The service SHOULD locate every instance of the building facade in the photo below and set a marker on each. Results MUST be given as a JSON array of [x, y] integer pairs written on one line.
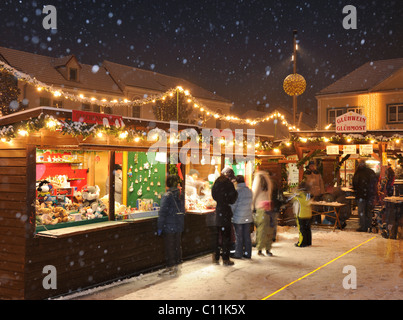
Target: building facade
[[374, 90], [108, 81]]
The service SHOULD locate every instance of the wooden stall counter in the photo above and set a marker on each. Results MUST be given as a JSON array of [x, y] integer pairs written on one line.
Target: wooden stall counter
[[70, 231], [200, 212]]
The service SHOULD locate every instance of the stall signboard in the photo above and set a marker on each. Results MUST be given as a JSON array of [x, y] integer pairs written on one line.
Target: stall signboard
[[332, 150], [98, 118], [351, 122], [366, 149], [293, 171], [350, 149]]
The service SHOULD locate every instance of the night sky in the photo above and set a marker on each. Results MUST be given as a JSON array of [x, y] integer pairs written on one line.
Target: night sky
[[239, 49]]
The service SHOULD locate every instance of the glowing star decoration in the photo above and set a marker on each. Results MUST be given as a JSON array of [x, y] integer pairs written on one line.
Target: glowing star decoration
[[294, 84]]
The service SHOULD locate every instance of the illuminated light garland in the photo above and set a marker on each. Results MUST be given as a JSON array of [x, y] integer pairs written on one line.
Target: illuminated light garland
[[40, 86], [24, 128]]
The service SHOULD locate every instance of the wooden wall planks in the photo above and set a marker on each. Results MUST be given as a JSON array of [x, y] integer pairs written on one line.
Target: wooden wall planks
[[13, 217], [87, 259]]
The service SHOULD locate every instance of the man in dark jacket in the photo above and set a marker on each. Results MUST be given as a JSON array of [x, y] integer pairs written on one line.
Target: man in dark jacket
[[390, 180], [171, 225], [224, 193], [364, 184]]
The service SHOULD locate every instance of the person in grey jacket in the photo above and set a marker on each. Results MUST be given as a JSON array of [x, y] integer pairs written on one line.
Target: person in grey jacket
[[242, 219]]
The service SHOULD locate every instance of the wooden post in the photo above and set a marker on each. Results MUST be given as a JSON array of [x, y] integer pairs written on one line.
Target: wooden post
[[294, 98], [111, 209], [31, 190]]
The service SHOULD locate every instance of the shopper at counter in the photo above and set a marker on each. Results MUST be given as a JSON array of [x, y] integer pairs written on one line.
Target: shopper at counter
[[314, 182], [193, 184], [171, 224], [390, 180], [224, 194], [364, 184], [118, 183], [242, 219]]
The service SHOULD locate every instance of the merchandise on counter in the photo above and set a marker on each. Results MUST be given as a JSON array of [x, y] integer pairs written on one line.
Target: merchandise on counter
[[86, 205], [145, 179], [196, 202], [44, 190]]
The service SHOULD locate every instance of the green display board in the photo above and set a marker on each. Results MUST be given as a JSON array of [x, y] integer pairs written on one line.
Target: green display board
[[239, 168], [144, 179]]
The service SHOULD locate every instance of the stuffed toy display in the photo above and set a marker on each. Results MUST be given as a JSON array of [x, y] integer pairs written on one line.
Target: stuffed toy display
[[44, 190], [92, 206]]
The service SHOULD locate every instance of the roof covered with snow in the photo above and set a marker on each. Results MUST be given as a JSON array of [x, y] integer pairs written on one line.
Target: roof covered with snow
[[109, 77], [365, 77], [139, 78]]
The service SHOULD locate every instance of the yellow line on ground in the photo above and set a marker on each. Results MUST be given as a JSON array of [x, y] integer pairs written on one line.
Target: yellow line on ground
[[317, 269]]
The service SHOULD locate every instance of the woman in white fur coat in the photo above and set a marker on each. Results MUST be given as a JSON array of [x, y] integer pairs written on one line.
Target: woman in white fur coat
[[262, 204]]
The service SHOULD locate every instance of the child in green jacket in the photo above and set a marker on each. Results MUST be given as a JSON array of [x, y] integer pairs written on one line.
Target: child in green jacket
[[303, 213]]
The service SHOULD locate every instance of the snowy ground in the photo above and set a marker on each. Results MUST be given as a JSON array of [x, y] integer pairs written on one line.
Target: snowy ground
[[378, 264]]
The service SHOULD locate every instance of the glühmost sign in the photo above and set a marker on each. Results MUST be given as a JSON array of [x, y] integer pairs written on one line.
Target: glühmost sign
[[351, 122]]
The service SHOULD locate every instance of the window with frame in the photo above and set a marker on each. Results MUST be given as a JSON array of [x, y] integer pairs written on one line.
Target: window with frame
[[44, 102], [355, 109], [136, 111], [96, 108], [58, 103], [86, 107], [107, 110], [332, 114], [73, 74], [395, 113], [218, 122]]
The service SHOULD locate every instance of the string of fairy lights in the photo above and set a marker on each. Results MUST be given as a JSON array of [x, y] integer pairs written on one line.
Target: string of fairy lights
[[8, 132], [123, 102]]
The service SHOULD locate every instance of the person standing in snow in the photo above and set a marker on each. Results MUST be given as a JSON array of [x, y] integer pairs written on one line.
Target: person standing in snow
[[242, 219], [262, 205], [314, 182], [277, 200], [303, 214], [224, 193], [365, 184], [171, 224], [390, 180]]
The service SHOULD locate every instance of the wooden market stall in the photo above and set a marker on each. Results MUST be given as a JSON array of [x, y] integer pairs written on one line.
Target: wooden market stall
[[335, 149], [89, 252]]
